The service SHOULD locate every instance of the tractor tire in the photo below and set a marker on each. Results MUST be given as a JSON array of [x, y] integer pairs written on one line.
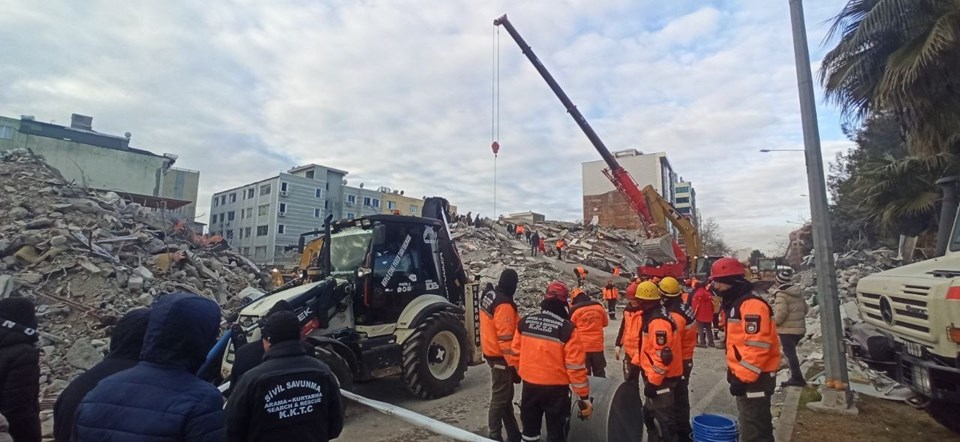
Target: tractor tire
[[435, 356], [338, 365], [945, 414]]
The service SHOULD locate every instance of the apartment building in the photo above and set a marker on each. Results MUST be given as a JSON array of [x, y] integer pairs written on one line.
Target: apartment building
[[359, 202], [686, 201], [602, 202]]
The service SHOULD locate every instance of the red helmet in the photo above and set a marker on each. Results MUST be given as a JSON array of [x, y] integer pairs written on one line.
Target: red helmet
[[725, 267], [557, 290]]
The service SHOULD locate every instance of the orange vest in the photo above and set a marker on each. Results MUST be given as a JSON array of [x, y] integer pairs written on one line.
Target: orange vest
[[551, 353], [753, 346], [519, 229], [590, 318], [560, 244], [616, 271], [580, 271], [629, 336], [682, 316], [611, 293], [659, 356], [498, 325]]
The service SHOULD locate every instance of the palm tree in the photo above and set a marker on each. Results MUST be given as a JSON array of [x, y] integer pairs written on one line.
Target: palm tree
[[901, 57]]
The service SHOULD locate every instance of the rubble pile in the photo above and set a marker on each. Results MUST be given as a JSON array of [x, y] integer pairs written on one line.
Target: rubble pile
[[489, 249], [87, 257]]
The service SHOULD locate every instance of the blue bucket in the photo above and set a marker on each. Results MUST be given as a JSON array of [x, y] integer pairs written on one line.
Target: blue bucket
[[714, 428]]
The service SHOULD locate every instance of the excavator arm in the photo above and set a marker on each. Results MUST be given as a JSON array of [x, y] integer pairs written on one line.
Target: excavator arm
[[663, 212]]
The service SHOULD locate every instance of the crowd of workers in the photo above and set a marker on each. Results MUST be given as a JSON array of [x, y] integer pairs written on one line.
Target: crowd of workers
[[551, 353], [148, 387]]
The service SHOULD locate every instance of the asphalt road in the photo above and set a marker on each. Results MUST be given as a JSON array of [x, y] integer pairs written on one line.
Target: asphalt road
[[467, 408]]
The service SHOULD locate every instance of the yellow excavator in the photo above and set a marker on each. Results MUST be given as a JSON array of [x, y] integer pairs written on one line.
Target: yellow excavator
[[308, 257]]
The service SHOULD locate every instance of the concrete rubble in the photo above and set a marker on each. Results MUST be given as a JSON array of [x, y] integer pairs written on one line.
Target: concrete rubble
[[86, 257]]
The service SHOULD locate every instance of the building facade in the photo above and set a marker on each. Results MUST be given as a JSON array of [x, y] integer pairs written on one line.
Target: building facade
[[262, 220], [395, 200], [602, 203], [359, 201], [686, 201], [107, 162]]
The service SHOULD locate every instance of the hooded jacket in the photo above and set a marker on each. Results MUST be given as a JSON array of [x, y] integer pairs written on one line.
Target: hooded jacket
[[126, 341], [590, 317], [790, 310], [20, 369], [161, 399]]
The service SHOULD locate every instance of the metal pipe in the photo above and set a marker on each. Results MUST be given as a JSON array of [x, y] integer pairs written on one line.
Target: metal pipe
[[948, 212], [441, 428], [834, 359]]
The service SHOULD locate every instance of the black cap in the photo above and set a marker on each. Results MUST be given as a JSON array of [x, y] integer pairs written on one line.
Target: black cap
[[508, 282], [19, 310], [281, 326]]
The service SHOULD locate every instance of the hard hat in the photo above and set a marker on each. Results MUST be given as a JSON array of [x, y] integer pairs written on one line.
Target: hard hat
[[574, 293], [726, 267], [669, 286], [557, 290], [647, 291]]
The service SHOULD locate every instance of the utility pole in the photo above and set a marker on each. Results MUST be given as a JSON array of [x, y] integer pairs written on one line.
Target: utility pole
[[836, 393]]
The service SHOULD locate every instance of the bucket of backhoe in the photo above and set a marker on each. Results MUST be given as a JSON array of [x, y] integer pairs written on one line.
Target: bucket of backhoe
[[659, 249]]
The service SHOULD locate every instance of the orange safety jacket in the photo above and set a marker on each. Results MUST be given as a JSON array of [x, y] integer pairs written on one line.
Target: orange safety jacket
[[590, 317], [659, 357], [753, 346], [616, 271], [629, 335], [610, 293], [551, 353], [519, 229], [683, 317], [561, 244], [498, 325], [580, 271]]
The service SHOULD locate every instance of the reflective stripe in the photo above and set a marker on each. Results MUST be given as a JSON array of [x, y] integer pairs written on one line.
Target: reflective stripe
[[659, 370], [585, 384], [750, 367], [499, 367], [508, 352], [505, 337], [531, 438], [539, 336], [755, 394], [662, 391], [576, 367], [758, 344], [733, 320]]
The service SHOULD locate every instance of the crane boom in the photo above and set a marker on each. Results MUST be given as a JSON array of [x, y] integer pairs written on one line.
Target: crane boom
[[619, 176]]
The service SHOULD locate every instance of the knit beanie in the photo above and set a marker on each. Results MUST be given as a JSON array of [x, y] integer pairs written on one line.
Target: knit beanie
[[281, 326], [785, 276], [19, 310], [508, 282]]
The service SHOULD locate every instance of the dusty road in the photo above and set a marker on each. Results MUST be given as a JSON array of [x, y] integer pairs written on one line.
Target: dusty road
[[467, 408]]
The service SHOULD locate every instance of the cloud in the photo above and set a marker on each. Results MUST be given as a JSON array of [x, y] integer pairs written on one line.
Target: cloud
[[400, 94]]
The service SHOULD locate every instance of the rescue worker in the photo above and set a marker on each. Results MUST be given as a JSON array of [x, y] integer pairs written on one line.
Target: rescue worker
[[616, 270], [498, 325], [560, 246], [590, 319], [660, 364], [610, 296], [581, 275], [519, 231], [628, 338], [703, 311], [534, 243], [552, 363], [753, 349], [681, 312], [542, 246]]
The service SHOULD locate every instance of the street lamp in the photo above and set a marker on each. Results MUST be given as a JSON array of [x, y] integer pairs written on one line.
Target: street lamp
[[781, 150]]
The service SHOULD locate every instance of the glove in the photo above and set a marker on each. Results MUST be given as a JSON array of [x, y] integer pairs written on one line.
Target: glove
[[737, 387], [650, 390], [514, 374], [586, 408], [616, 354], [667, 355]]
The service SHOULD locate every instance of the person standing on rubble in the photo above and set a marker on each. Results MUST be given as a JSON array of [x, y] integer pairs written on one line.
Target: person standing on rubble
[[561, 244], [610, 296], [288, 375], [498, 327], [126, 341], [679, 309], [789, 314], [703, 313], [660, 365], [161, 398], [542, 246], [752, 346], [534, 243], [590, 319], [552, 364], [20, 369], [628, 337], [616, 270], [519, 232], [581, 274]]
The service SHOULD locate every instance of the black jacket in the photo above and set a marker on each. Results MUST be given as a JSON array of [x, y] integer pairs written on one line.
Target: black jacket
[[20, 382], [290, 396], [125, 343]]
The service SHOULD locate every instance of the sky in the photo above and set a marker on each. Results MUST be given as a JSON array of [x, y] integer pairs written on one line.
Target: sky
[[399, 93]]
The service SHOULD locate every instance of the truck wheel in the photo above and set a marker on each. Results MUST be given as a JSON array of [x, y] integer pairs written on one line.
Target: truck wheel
[[946, 414], [338, 365], [435, 357]]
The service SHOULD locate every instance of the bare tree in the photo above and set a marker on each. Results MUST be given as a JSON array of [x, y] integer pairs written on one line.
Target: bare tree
[[712, 240]]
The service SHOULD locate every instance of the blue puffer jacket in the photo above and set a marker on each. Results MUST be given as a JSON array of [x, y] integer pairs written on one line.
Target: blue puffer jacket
[[160, 399]]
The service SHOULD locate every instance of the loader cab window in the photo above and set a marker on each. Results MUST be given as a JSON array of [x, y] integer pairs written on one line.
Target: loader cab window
[[402, 264], [348, 249]]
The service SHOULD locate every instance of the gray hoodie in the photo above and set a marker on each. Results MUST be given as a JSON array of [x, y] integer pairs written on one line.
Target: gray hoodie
[[789, 310]]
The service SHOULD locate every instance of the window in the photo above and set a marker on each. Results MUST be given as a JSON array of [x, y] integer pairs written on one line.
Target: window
[[309, 174], [283, 186], [283, 207], [216, 201], [242, 213], [230, 215], [352, 199], [683, 200], [249, 212], [326, 204], [264, 189], [213, 219], [229, 234], [326, 185], [683, 189], [318, 193], [221, 217], [6, 132], [247, 231], [281, 229], [262, 230], [263, 210], [241, 234], [317, 213], [250, 193], [391, 205], [413, 209], [376, 202], [366, 201], [246, 251], [350, 215], [233, 197], [260, 253], [223, 199]]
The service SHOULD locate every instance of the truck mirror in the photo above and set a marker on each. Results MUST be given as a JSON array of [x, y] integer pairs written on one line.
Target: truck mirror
[[363, 271], [379, 234]]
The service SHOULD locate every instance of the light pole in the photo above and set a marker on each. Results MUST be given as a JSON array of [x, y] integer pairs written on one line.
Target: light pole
[[836, 395]]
